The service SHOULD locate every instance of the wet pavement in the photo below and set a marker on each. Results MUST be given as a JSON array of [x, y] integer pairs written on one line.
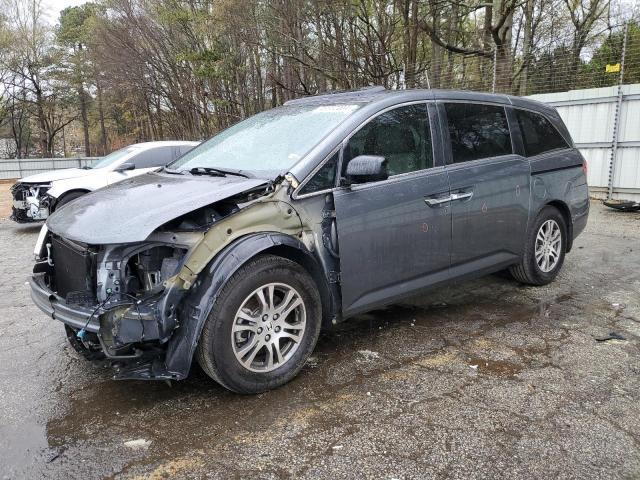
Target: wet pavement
[[484, 379]]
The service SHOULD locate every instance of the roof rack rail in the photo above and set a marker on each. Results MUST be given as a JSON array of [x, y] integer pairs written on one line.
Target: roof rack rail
[[333, 93]]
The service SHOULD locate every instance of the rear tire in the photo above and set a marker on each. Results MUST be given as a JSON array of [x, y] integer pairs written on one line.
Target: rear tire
[[544, 252], [263, 326]]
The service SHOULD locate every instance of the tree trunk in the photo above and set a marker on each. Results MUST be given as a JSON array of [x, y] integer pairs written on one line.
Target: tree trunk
[[526, 46], [82, 97], [103, 130]]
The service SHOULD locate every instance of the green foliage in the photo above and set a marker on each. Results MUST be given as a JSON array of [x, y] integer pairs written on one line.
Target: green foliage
[[75, 24], [610, 52]]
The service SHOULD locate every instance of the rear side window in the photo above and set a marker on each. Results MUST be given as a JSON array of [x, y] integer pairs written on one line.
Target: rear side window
[[154, 157], [538, 134], [477, 131]]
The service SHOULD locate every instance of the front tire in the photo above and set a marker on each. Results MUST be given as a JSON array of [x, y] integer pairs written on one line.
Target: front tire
[[67, 198], [545, 249], [263, 326]]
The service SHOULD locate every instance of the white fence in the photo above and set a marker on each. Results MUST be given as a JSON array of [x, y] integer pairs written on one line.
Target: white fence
[[613, 154], [23, 167]]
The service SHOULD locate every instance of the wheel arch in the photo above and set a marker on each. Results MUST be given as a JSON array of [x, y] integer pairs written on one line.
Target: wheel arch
[[61, 197], [197, 304], [564, 210]]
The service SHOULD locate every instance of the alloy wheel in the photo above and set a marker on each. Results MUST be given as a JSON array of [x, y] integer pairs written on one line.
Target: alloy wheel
[[268, 327], [548, 246]]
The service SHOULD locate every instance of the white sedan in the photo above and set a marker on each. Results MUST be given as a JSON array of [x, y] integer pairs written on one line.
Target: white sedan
[[36, 196]]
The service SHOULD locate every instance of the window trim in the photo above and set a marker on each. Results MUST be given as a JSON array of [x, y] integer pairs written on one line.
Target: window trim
[[569, 144], [444, 122], [340, 147], [296, 193]]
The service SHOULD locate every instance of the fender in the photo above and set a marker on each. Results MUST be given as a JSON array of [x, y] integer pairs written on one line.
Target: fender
[[197, 305]]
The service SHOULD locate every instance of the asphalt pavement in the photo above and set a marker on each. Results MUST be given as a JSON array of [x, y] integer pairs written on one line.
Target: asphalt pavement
[[487, 379]]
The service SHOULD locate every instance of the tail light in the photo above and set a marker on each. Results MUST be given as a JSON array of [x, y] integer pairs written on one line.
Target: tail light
[[584, 166]]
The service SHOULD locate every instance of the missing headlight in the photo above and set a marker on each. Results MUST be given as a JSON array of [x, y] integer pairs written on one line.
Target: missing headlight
[[147, 270]]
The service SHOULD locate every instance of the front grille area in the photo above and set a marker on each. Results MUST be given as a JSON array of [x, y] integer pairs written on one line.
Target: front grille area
[[74, 270]]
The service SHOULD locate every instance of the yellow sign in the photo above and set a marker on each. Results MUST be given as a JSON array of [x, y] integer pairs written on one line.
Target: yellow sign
[[615, 68]]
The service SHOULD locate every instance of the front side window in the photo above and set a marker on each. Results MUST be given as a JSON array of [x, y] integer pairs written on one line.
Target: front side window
[[114, 157], [477, 131], [323, 179], [401, 135], [538, 135], [271, 141]]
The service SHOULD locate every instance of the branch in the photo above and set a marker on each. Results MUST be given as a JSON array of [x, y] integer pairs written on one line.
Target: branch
[[423, 25]]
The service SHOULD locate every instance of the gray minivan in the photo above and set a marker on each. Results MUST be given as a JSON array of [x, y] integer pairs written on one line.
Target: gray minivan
[[300, 217]]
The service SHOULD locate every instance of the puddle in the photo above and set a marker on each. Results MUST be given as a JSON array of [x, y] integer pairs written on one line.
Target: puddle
[[493, 367]]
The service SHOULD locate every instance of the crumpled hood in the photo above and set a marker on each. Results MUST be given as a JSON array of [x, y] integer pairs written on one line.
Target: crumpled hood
[[131, 210], [54, 175]]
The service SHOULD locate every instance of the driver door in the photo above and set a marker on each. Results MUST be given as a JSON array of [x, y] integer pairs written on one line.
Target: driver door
[[394, 235]]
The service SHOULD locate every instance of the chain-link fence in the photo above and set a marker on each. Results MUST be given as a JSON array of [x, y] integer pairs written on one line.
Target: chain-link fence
[[558, 67]]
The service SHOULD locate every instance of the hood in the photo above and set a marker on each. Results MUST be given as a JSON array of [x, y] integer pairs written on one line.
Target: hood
[[54, 175], [131, 210]]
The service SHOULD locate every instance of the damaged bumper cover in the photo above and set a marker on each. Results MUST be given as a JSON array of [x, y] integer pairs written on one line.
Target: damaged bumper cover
[[30, 202], [76, 316], [130, 335]]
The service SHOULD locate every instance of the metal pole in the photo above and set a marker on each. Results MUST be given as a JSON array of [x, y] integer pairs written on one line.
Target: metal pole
[[616, 119], [495, 69]]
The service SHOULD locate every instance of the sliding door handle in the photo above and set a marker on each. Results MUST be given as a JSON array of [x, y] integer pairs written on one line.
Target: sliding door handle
[[434, 202], [461, 196]]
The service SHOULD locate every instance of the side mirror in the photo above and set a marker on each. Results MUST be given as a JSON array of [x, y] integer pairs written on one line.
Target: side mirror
[[125, 166], [367, 168]]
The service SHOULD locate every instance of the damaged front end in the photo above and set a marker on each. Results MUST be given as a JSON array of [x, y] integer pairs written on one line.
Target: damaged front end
[[109, 297], [141, 304], [30, 202]]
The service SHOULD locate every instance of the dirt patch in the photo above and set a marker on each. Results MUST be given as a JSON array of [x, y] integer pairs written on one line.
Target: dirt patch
[[5, 198]]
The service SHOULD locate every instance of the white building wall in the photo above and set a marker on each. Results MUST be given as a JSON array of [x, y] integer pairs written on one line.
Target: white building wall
[[590, 115]]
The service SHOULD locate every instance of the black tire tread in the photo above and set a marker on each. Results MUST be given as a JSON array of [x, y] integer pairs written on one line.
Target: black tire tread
[[203, 355], [524, 272]]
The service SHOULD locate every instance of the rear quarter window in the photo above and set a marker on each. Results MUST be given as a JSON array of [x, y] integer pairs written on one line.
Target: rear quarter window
[[538, 134]]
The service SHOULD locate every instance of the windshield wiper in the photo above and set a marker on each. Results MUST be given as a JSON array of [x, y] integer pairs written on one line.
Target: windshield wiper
[[216, 172]]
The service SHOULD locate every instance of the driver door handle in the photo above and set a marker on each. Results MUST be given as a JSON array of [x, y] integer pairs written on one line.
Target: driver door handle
[[434, 202]]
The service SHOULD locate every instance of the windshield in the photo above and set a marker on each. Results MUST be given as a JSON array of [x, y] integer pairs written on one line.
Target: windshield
[[270, 141], [113, 157]]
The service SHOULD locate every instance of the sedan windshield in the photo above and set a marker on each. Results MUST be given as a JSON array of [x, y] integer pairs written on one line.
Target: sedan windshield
[[113, 157], [271, 141]]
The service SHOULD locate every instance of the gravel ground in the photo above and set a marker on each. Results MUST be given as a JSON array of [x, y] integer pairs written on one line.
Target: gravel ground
[[487, 379]]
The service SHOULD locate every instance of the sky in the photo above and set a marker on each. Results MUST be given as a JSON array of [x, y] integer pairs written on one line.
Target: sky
[[54, 7]]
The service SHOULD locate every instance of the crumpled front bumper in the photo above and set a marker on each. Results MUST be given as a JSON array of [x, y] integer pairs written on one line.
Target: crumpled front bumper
[[75, 316], [30, 204]]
